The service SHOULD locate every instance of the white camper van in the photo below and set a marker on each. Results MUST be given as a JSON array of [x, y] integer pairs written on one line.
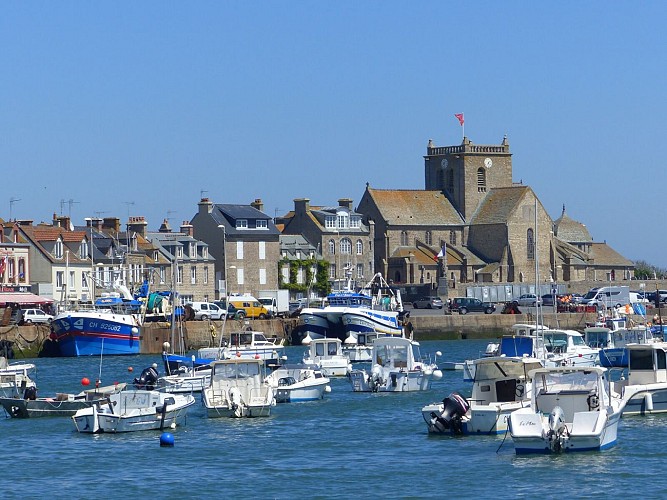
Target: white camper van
[[607, 296]]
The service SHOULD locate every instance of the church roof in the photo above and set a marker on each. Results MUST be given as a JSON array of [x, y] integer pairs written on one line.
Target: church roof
[[498, 205], [604, 255], [568, 229], [415, 207]]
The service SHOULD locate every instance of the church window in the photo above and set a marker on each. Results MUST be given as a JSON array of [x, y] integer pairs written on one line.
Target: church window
[[452, 237], [404, 238], [450, 179], [530, 245], [429, 237], [481, 180]]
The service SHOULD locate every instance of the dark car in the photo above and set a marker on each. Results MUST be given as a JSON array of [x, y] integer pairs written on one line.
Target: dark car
[[464, 305], [427, 303]]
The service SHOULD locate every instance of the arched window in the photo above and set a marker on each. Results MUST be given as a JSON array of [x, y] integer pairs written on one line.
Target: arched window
[[404, 238], [441, 179], [21, 269], [450, 179], [428, 237], [59, 249], [345, 246], [397, 277], [332, 247], [360, 247], [83, 249], [530, 245], [481, 180], [452, 237]]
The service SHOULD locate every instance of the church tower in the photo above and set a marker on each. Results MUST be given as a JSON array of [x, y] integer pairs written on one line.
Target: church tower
[[467, 172]]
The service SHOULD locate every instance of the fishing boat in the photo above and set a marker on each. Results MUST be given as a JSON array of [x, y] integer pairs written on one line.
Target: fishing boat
[[644, 389], [501, 386], [571, 409], [238, 389], [612, 335], [301, 382], [362, 351], [397, 367], [247, 344], [184, 374], [134, 410], [110, 327], [16, 379], [328, 356], [568, 348], [60, 405], [375, 308]]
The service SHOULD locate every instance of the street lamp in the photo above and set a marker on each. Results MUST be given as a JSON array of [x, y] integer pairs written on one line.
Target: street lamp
[[224, 255]]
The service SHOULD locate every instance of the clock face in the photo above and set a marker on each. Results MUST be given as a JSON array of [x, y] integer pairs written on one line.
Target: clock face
[[488, 162], [444, 163]]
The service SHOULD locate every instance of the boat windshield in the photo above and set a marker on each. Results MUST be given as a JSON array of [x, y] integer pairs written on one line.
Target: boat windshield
[[583, 380], [388, 355], [555, 342], [597, 339], [236, 370]]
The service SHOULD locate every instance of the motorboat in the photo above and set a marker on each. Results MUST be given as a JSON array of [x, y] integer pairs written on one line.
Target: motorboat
[[301, 382], [571, 409], [184, 373], [644, 389], [612, 335], [501, 386], [15, 379], [328, 356], [362, 351], [568, 348], [397, 367], [134, 410], [375, 308], [246, 344], [238, 389], [60, 405]]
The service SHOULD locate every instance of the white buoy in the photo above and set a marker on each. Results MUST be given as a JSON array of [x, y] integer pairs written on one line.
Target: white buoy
[[437, 374]]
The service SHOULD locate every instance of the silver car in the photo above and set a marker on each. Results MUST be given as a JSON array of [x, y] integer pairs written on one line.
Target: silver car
[[427, 303], [529, 299]]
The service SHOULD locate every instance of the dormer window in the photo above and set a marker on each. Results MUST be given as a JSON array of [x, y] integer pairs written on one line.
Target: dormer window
[[355, 221], [83, 249], [262, 224], [179, 252], [58, 250], [193, 250], [242, 224], [330, 222], [342, 220], [204, 252], [155, 255]]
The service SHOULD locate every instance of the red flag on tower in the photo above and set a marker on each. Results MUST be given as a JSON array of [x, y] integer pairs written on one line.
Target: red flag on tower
[[460, 117]]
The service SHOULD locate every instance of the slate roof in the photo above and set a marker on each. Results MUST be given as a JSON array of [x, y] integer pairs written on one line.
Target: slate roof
[[415, 207], [498, 205], [604, 255], [228, 214], [568, 229]]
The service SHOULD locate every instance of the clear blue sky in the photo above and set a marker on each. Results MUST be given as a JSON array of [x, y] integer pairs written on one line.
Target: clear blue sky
[[136, 108]]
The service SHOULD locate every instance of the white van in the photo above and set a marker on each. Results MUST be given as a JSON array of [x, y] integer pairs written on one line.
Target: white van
[[206, 310], [607, 296]]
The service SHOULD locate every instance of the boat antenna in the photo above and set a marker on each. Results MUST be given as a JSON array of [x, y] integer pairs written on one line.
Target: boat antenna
[[99, 377]]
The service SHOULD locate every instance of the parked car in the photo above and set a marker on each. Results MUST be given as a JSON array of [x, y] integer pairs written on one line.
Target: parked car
[[576, 298], [464, 305], [529, 299], [207, 310], [31, 316], [428, 303]]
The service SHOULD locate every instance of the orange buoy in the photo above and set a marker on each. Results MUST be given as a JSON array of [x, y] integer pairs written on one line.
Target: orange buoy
[[85, 381], [130, 369]]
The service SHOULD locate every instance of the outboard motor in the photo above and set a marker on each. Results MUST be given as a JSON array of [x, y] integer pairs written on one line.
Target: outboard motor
[[236, 401], [375, 378], [557, 429], [147, 379], [454, 409]]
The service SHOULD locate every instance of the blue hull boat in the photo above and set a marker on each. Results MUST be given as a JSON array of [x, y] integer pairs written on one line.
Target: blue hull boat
[[91, 333]]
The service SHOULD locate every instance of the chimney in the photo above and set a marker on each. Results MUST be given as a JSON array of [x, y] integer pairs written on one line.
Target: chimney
[[346, 203], [94, 222], [62, 221], [205, 206], [111, 224], [138, 225], [165, 228], [186, 228], [301, 206], [258, 204]]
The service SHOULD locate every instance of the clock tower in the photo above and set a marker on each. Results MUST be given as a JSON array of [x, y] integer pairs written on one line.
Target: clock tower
[[465, 173]]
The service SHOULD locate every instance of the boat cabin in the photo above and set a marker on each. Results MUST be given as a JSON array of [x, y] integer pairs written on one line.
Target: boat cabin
[[248, 338], [647, 363], [501, 379]]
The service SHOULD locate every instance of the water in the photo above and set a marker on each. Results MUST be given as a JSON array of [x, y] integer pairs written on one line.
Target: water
[[348, 445]]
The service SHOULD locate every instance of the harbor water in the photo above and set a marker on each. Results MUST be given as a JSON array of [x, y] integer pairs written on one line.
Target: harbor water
[[349, 445]]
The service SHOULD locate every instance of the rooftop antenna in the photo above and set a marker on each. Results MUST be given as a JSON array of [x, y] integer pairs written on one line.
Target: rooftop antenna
[[100, 212], [12, 200], [128, 203], [201, 194], [70, 202], [169, 212]]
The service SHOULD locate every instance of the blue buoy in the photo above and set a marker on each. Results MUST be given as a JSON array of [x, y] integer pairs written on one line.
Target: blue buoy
[[166, 439]]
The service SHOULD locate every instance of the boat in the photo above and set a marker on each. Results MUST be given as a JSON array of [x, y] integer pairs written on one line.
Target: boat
[[644, 389], [247, 344], [397, 367], [362, 351], [328, 356], [60, 405], [184, 374], [501, 386], [375, 308], [16, 380], [238, 389], [300, 382], [110, 327], [134, 410], [612, 335], [571, 409], [568, 348]]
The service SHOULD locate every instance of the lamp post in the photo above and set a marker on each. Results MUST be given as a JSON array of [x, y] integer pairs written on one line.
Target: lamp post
[[224, 256]]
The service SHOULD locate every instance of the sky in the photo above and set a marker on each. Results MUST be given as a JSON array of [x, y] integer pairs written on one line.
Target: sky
[[117, 109]]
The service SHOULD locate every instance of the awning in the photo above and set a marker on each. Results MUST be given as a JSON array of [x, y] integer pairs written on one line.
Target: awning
[[22, 299]]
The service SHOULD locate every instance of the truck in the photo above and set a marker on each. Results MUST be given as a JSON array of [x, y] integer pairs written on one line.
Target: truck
[[276, 301]]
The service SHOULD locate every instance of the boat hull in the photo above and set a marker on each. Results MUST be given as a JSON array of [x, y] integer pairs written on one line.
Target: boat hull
[[369, 321], [614, 357], [95, 333], [295, 394], [398, 381], [646, 400]]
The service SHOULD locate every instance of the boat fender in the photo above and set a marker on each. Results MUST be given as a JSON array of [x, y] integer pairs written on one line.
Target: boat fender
[[593, 402]]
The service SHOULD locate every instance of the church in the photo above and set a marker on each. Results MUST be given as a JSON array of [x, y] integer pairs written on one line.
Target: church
[[472, 223]]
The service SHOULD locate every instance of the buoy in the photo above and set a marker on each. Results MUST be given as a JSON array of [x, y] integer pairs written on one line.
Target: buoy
[[166, 439], [238, 354], [256, 356], [85, 381], [130, 369]]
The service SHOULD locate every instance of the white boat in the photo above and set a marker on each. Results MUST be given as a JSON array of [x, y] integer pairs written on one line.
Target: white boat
[[612, 335], [62, 404], [501, 386], [328, 356], [134, 410], [184, 373], [397, 367], [238, 389], [292, 383], [571, 409], [247, 344], [644, 390], [376, 308], [568, 348], [362, 351]]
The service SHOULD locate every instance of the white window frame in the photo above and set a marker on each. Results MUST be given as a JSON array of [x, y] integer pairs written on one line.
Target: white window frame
[[261, 224], [360, 247], [193, 275], [240, 278], [262, 276], [239, 250], [241, 223], [262, 250]]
